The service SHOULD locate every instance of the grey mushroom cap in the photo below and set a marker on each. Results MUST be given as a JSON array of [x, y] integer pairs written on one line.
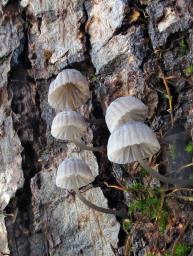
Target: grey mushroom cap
[[119, 148], [73, 173], [68, 125], [69, 90], [125, 109]]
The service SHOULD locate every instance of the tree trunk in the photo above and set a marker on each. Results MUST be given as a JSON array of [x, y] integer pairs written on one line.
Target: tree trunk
[[141, 48]]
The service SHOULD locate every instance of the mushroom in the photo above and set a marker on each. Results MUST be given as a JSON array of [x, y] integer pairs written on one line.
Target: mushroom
[[70, 125], [24, 3], [74, 173], [69, 90], [135, 141], [125, 109]]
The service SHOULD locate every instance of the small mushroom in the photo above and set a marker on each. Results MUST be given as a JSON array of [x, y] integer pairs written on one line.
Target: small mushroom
[[24, 3], [70, 125], [69, 90], [135, 141], [125, 109], [73, 174]]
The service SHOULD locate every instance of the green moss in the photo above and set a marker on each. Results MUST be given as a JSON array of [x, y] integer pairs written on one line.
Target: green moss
[[127, 225], [189, 148], [163, 220], [137, 185], [148, 206], [189, 70], [181, 249], [93, 78], [182, 47], [144, 173]]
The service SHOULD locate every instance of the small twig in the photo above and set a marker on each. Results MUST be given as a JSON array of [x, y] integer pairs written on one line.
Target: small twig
[[4, 214], [161, 207], [122, 188], [169, 77], [126, 189], [185, 166], [128, 246], [177, 190], [16, 80], [103, 239], [185, 198], [168, 93], [180, 235], [180, 169]]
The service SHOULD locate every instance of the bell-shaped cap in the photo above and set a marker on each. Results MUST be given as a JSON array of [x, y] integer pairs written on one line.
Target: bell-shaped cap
[[69, 90], [68, 125], [119, 148], [125, 109], [73, 172]]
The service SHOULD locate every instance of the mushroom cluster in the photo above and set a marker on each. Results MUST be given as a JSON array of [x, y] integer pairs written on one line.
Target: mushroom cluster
[[131, 140], [66, 93]]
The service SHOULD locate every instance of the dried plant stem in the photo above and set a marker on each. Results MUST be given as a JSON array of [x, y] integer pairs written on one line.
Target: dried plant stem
[[185, 198], [161, 207], [168, 94], [177, 190], [128, 246], [180, 235]]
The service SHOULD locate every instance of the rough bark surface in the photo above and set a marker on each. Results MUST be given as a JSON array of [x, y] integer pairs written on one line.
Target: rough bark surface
[[124, 48]]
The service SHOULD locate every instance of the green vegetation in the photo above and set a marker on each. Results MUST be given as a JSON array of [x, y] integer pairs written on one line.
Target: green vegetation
[[150, 207], [153, 205], [182, 47], [137, 186], [149, 203], [189, 148], [181, 249], [163, 220], [127, 225], [144, 173], [93, 78], [189, 70]]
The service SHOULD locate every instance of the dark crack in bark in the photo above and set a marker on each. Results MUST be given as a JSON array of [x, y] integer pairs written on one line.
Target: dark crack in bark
[[30, 128]]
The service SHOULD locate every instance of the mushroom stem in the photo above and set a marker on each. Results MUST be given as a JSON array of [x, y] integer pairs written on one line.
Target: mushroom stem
[[119, 213], [84, 147], [137, 154]]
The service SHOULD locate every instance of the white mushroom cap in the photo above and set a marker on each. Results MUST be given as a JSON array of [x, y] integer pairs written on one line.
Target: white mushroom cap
[[73, 172], [119, 148], [68, 125], [24, 3], [125, 109], [69, 90]]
